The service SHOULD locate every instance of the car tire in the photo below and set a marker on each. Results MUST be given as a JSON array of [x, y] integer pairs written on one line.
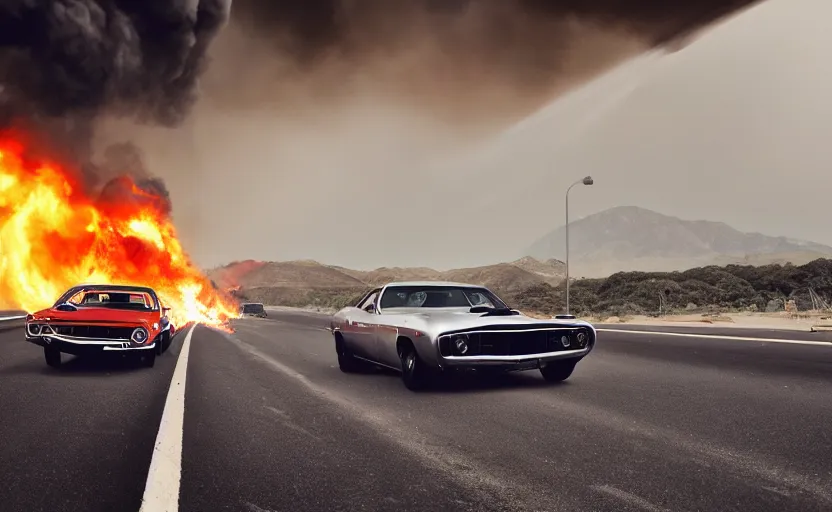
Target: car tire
[[558, 371], [52, 356], [415, 373], [149, 360], [164, 342], [346, 360], [159, 349]]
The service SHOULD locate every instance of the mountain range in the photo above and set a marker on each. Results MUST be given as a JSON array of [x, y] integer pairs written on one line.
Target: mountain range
[[624, 238], [306, 282], [632, 238]]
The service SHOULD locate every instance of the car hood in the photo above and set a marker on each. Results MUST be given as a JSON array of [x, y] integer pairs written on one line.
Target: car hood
[[96, 315], [444, 320]]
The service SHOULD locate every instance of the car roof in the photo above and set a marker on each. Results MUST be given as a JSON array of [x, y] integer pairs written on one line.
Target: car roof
[[433, 283], [114, 288]]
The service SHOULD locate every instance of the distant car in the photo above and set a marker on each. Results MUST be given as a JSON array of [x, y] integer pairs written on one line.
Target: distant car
[[424, 328], [102, 318], [252, 309]]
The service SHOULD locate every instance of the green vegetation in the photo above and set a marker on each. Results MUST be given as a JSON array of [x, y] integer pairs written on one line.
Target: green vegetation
[[712, 288]]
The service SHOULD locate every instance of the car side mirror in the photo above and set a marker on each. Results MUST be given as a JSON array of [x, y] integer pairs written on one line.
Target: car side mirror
[[165, 310], [371, 308]]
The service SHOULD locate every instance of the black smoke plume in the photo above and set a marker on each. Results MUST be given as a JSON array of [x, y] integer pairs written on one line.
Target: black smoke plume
[[455, 56], [133, 57], [64, 63], [316, 25]]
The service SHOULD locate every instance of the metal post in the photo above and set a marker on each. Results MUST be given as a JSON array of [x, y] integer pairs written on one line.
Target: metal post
[[586, 181], [567, 247]]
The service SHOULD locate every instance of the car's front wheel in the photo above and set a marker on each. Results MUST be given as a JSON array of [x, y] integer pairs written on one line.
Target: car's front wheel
[[149, 358], [346, 360], [415, 373], [162, 343], [52, 356], [558, 371]]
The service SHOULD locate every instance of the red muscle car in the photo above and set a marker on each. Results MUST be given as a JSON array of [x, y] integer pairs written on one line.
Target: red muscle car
[[102, 318]]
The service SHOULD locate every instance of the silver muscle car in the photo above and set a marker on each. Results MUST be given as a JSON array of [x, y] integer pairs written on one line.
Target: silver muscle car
[[425, 328]]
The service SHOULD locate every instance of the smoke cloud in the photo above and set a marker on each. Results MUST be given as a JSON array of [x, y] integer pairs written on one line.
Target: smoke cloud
[[65, 63], [471, 61], [293, 95], [67, 57]]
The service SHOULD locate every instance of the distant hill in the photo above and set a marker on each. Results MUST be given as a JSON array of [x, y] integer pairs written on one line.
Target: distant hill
[[284, 274], [630, 238], [552, 271], [537, 286], [304, 282], [384, 275]]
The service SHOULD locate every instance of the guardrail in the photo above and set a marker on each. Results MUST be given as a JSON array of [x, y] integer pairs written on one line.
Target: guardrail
[[10, 316]]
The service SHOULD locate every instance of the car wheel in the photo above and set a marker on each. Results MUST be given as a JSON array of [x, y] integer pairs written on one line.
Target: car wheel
[[159, 349], [149, 359], [346, 360], [414, 371], [558, 371], [52, 356]]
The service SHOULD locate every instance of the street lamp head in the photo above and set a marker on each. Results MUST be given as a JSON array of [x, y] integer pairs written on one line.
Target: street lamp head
[[588, 180]]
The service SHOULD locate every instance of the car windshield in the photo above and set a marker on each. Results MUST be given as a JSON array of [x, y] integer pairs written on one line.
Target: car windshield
[[253, 309], [438, 297], [115, 299]]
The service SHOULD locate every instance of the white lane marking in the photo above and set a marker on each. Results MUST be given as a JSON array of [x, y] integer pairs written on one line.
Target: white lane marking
[[720, 337], [629, 498], [7, 318], [254, 508], [161, 493]]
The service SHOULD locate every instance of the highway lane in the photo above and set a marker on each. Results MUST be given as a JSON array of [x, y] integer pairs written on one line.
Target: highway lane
[[629, 431], [312, 318], [77, 439], [729, 331], [647, 422]]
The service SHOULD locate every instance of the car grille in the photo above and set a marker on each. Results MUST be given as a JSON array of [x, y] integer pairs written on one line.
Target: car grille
[[94, 331], [517, 343]]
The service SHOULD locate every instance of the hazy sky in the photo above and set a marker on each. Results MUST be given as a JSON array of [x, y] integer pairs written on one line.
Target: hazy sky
[[733, 128]]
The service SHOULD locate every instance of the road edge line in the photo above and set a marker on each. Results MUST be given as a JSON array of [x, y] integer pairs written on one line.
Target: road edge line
[[720, 337], [161, 491]]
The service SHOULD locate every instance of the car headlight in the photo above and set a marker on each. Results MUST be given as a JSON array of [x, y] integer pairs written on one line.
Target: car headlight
[[460, 344], [139, 335]]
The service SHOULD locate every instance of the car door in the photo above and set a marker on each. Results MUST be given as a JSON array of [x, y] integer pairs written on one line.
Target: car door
[[385, 341], [386, 334], [359, 328]]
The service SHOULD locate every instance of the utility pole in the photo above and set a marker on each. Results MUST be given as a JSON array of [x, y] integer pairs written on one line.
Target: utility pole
[[585, 181]]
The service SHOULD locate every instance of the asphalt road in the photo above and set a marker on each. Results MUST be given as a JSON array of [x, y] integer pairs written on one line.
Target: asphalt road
[[648, 422]]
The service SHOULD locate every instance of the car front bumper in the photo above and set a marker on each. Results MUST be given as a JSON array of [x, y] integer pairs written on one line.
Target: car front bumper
[[81, 346], [512, 363]]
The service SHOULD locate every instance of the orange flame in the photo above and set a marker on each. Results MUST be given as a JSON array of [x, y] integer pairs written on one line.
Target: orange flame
[[54, 236]]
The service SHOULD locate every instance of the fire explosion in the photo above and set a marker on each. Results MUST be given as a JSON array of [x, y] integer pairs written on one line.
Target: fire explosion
[[53, 236]]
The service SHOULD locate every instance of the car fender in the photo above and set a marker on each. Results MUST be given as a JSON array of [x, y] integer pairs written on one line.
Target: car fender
[[424, 344]]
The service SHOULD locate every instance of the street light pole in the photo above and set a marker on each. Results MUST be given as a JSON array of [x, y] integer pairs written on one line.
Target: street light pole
[[585, 181]]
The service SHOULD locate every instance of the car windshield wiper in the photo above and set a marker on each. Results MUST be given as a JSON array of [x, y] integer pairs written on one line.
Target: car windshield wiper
[[489, 311]]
